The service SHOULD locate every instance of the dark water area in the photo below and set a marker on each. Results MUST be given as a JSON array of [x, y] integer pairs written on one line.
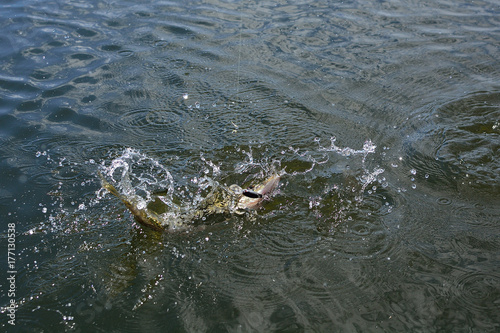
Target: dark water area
[[383, 116]]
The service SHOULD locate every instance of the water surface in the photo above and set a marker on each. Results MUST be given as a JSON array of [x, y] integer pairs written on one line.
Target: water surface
[[383, 117]]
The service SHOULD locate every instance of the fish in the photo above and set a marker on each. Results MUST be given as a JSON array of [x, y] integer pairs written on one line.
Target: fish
[[143, 216], [231, 200], [252, 198]]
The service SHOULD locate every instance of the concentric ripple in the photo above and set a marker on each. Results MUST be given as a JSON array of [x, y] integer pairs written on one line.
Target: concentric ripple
[[479, 292], [366, 231], [462, 147], [472, 137], [148, 122], [472, 215], [146, 117]]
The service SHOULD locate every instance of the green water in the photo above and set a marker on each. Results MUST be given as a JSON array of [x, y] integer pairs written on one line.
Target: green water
[[383, 117]]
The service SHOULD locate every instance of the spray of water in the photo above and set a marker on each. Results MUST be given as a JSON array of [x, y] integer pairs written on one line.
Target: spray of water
[[331, 195], [151, 192]]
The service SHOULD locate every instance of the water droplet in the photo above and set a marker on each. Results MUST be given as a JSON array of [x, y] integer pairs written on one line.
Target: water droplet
[[444, 201], [413, 171]]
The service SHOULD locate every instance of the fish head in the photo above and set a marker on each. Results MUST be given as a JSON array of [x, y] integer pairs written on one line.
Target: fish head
[[252, 198]]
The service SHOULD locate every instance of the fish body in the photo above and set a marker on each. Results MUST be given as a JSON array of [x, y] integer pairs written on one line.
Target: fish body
[[143, 216], [232, 200]]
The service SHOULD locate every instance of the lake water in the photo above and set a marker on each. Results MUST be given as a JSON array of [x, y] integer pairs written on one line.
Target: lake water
[[382, 116]]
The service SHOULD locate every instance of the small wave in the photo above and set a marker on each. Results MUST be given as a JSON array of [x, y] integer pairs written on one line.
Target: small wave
[[478, 292], [145, 118], [460, 146]]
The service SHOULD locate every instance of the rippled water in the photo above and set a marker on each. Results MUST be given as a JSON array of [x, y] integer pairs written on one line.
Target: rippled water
[[384, 117]]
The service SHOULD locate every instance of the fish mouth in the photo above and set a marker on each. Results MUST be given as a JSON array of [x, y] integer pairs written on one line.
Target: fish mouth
[[252, 194]]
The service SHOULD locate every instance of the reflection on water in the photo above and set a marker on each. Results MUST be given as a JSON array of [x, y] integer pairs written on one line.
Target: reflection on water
[[392, 225]]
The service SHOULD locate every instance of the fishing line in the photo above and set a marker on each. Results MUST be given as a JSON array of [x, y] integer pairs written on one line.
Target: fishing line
[[240, 28], [239, 51]]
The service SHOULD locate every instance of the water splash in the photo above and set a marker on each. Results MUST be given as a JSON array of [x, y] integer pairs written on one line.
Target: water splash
[[338, 177], [368, 177], [368, 148], [149, 190], [135, 174], [343, 183]]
